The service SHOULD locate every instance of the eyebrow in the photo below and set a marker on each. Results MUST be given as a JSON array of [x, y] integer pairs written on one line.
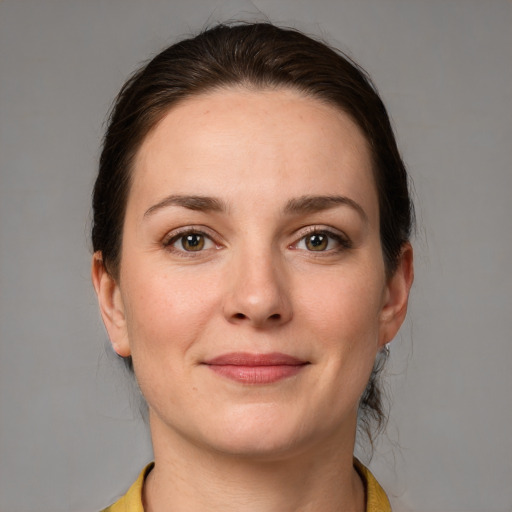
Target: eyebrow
[[313, 204], [197, 203], [296, 206]]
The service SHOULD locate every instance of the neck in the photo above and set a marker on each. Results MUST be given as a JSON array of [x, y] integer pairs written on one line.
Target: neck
[[188, 477]]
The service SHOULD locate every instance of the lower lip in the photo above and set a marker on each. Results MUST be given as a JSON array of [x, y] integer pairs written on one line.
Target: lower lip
[[257, 374]]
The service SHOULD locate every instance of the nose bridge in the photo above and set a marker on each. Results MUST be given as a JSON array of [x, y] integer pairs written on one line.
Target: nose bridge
[[258, 286]]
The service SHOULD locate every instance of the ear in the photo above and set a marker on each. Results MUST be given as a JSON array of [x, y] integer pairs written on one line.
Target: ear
[[396, 296], [111, 305]]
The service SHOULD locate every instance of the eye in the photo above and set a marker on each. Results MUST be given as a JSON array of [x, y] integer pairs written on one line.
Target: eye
[[191, 241], [322, 241], [317, 242]]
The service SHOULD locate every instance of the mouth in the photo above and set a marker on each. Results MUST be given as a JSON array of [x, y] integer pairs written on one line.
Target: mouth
[[256, 368]]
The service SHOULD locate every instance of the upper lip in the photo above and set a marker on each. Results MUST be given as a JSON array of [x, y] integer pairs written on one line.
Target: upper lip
[[248, 359]]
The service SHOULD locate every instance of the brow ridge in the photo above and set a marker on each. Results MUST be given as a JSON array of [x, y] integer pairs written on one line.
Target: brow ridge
[[313, 204], [196, 203], [296, 206]]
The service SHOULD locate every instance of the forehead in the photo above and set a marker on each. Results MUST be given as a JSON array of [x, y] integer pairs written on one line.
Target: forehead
[[234, 140]]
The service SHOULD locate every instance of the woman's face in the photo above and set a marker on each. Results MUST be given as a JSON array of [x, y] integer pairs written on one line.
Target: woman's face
[[252, 292]]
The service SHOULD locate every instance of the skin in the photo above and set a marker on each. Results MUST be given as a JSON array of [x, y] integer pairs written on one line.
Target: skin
[[255, 287]]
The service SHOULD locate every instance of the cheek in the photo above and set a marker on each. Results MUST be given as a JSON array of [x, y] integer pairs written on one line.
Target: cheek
[[166, 312], [344, 320], [341, 319], [343, 306]]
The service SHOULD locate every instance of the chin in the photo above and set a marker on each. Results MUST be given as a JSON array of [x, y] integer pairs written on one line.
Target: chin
[[257, 446], [262, 432]]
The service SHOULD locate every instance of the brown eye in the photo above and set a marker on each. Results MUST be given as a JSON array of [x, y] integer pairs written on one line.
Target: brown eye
[[189, 242], [317, 242], [192, 242], [323, 241]]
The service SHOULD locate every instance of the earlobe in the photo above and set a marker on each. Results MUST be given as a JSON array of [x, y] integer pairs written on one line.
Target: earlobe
[[111, 305], [397, 296]]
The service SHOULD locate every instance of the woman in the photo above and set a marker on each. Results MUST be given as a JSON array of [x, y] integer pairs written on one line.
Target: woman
[[252, 261]]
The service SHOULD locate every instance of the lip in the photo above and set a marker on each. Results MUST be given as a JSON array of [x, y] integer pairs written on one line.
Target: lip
[[249, 368]]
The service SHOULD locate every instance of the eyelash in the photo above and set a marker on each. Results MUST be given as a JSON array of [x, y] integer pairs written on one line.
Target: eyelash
[[343, 242]]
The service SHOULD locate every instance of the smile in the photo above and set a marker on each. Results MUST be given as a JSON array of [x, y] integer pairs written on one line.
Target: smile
[[256, 368]]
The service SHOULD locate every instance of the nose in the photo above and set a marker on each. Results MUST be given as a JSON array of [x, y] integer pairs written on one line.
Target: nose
[[258, 292]]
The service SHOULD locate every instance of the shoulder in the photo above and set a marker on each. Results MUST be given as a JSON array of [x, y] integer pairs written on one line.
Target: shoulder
[[376, 498], [132, 500]]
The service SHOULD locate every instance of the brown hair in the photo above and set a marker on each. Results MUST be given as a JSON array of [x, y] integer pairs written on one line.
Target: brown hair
[[257, 56]]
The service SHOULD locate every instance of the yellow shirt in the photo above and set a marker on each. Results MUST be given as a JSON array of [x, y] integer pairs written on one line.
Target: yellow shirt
[[376, 499]]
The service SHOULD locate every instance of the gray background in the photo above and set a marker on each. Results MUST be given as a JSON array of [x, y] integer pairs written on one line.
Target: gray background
[[70, 439]]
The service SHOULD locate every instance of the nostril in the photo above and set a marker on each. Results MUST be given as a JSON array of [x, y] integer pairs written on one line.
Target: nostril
[[239, 316], [275, 316]]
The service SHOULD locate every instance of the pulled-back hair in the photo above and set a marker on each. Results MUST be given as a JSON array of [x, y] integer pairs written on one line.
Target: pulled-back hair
[[255, 56]]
